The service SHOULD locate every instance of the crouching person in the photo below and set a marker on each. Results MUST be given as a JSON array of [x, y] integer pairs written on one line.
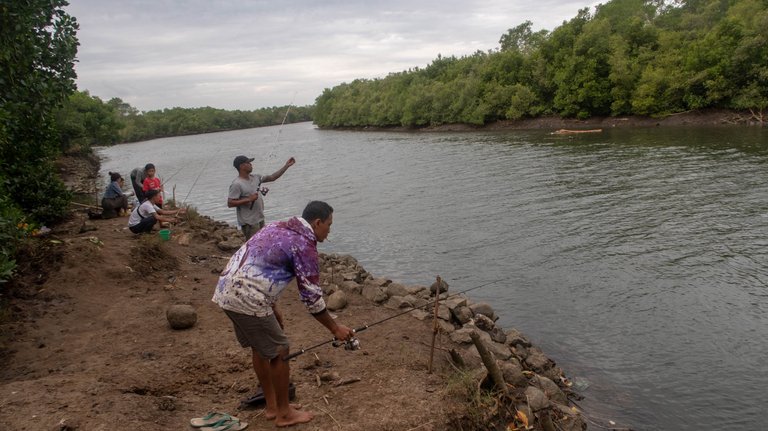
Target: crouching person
[[248, 290], [144, 217], [115, 201]]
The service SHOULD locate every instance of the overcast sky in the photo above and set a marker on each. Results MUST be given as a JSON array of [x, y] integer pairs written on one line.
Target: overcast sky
[[249, 54]]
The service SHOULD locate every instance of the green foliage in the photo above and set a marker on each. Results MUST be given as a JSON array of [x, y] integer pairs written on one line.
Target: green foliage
[[85, 121], [136, 126], [629, 57], [37, 51], [10, 216]]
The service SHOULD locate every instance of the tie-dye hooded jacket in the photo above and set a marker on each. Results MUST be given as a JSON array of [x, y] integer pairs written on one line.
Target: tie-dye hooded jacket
[[260, 270]]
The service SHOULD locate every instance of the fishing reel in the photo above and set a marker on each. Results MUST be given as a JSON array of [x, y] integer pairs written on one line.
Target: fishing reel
[[351, 344], [264, 191]]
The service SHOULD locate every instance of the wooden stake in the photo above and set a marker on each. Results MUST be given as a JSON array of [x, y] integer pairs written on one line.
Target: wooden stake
[[435, 327], [490, 363]]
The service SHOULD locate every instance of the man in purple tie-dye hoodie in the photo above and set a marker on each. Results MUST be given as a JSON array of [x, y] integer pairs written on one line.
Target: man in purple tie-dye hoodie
[[248, 290]]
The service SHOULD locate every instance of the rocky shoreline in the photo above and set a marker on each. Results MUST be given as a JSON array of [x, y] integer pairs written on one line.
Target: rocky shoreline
[[95, 336], [538, 391]]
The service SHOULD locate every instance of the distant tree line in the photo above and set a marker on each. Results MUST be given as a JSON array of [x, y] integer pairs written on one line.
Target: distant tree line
[[85, 121], [630, 57]]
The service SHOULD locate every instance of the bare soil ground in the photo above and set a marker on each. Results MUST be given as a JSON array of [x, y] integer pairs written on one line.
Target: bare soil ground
[[88, 346]]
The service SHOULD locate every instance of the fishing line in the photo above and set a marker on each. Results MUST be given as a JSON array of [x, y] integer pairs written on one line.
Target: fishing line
[[354, 342], [198, 176], [277, 138]]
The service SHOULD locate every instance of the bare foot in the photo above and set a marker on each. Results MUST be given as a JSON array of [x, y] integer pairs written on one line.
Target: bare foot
[[271, 414], [294, 417]]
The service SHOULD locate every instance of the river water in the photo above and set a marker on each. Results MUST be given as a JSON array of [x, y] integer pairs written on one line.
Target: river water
[[636, 258]]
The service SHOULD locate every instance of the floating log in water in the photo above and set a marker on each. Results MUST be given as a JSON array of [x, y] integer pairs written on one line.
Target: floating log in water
[[574, 131]]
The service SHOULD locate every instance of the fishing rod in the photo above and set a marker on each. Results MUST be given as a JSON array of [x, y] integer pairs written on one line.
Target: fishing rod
[[354, 344]]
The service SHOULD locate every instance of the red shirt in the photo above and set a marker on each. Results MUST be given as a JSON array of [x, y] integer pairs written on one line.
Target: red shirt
[[152, 184]]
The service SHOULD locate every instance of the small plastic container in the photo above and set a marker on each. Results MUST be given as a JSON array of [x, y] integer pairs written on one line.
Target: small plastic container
[[165, 234]]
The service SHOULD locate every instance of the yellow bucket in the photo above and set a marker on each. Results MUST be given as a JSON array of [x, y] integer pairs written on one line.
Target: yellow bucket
[[165, 234]]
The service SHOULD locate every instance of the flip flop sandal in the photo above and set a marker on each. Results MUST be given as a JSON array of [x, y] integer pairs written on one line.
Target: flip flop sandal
[[211, 419], [224, 425]]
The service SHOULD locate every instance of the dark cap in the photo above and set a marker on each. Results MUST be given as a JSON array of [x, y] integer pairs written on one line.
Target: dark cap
[[239, 160]]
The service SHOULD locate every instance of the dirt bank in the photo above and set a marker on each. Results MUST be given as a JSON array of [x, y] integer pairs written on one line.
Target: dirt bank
[[86, 344]]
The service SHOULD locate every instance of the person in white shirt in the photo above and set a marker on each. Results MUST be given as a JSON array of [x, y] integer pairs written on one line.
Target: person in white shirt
[[144, 217]]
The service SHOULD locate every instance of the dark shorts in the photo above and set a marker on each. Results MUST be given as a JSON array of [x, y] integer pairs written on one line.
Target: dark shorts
[[145, 225], [262, 334]]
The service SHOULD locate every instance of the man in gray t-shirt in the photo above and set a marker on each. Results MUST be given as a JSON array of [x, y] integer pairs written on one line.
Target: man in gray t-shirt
[[244, 194]]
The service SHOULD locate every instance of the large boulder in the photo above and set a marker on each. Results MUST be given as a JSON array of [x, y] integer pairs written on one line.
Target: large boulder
[[181, 316], [374, 293], [396, 289], [336, 301], [484, 309], [441, 287]]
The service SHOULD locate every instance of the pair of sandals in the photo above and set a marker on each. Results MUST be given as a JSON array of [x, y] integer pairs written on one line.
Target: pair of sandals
[[215, 421]]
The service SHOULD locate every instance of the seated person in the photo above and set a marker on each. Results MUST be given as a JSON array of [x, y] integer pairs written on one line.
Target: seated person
[[115, 201], [144, 217]]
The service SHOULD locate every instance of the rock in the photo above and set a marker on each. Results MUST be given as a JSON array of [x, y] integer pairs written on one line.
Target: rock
[[463, 314], [537, 360], [442, 312], [417, 302], [329, 376], [380, 282], [499, 350], [88, 226], [484, 309], [350, 276], [537, 400], [416, 290], [336, 301], [570, 419], [183, 239], [445, 327], [461, 336], [398, 302], [420, 314], [513, 373], [181, 316], [67, 424], [329, 289], [455, 301], [351, 287], [443, 287], [396, 289], [515, 337], [230, 244], [483, 322], [550, 389], [498, 335], [519, 351], [374, 293]]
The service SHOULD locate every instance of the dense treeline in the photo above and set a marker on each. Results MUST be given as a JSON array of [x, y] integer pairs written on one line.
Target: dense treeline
[[630, 57], [85, 121], [37, 50]]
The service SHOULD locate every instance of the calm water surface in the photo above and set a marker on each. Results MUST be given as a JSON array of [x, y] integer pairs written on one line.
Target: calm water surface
[[636, 258]]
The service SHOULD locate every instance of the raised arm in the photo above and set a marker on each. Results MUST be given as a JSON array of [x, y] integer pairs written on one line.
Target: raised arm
[[279, 173]]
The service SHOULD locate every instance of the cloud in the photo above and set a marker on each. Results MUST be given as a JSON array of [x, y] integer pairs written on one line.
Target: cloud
[[251, 54]]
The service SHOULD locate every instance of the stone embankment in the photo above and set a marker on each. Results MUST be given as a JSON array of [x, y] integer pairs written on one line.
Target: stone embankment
[[538, 389]]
